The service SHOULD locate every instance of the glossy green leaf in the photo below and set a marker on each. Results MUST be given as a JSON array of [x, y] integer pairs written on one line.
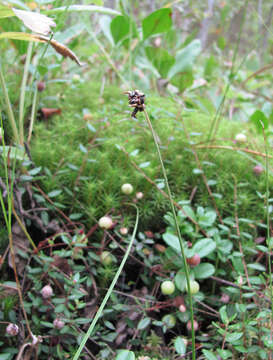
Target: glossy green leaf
[[125, 355], [180, 345], [206, 218], [54, 193], [180, 280], [234, 337], [203, 270], [143, 323], [209, 355], [159, 21], [204, 247], [160, 58], [35, 171], [256, 266], [187, 210], [172, 241], [185, 58], [223, 314]]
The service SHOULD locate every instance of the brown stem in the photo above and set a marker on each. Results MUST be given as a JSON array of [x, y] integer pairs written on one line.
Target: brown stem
[[18, 282], [233, 149]]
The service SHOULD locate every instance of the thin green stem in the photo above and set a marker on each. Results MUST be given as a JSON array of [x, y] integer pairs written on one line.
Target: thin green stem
[[9, 107], [33, 112], [107, 57], [269, 240], [177, 230], [130, 43], [110, 290], [23, 93], [7, 216], [216, 119]]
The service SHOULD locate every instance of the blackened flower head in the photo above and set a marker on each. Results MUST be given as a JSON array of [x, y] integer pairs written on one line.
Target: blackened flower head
[[136, 100]]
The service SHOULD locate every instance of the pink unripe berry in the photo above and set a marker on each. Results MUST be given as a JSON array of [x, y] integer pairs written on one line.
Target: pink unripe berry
[[195, 325], [123, 231], [139, 195], [12, 329], [258, 169], [225, 298], [58, 324], [47, 292], [182, 308]]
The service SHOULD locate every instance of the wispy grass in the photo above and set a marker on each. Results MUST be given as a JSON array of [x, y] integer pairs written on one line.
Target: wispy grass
[[110, 290]]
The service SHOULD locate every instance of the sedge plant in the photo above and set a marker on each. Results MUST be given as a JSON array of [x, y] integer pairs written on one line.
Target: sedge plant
[[177, 230], [136, 101]]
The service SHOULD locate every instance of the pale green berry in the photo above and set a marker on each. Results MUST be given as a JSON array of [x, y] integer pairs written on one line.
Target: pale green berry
[[105, 222], [106, 258], [169, 320], [194, 287], [240, 138], [127, 189], [167, 287]]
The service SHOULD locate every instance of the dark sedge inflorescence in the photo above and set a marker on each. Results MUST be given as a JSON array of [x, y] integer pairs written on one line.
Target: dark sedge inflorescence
[[136, 100]]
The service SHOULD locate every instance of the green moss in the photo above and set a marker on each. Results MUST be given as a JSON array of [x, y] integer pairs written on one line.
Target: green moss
[[89, 164]]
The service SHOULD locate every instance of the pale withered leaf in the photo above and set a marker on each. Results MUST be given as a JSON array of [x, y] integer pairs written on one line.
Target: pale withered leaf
[[36, 22]]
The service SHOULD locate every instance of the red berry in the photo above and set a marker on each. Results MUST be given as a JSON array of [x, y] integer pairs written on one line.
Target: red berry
[[41, 86], [194, 261]]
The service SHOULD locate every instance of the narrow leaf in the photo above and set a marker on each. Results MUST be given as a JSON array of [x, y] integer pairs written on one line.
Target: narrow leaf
[[5, 12], [85, 8], [19, 36]]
